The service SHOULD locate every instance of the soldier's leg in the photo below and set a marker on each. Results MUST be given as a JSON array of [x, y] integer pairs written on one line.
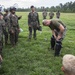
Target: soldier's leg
[[12, 39], [34, 35], [6, 38], [58, 47], [16, 36], [52, 42], [1, 46], [30, 32]]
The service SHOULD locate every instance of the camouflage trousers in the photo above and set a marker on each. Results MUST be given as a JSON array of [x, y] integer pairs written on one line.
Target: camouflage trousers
[[6, 33], [14, 36], [1, 42], [32, 28]]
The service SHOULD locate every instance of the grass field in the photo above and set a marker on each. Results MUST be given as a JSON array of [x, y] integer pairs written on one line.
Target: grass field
[[34, 58]]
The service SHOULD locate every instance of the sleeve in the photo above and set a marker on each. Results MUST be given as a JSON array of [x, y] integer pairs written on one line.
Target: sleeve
[[38, 19], [29, 21], [3, 26]]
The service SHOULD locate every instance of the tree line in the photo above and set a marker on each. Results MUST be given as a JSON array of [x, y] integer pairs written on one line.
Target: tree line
[[67, 7]]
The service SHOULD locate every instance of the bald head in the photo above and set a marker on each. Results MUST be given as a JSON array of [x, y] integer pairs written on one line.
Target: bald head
[[69, 63], [46, 22]]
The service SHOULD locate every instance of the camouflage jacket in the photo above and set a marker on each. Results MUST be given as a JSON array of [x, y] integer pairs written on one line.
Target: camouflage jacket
[[13, 21], [33, 17], [2, 28], [7, 20]]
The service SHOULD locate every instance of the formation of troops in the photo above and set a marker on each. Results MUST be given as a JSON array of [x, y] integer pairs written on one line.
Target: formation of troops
[[9, 27], [51, 14]]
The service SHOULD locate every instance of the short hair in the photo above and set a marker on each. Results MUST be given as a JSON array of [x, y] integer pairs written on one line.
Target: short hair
[[69, 63], [43, 22], [32, 6]]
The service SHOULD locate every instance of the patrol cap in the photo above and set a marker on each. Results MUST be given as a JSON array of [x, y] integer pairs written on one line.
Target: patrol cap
[[12, 8], [6, 10], [32, 6]]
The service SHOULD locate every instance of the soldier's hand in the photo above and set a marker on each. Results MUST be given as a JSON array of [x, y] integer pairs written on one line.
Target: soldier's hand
[[29, 25], [12, 31], [1, 58]]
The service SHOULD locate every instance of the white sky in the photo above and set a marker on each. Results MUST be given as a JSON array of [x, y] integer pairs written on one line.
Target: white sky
[[37, 3]]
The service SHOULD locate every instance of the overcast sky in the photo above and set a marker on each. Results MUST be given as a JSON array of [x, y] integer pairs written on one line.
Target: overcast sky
[[37, 3]]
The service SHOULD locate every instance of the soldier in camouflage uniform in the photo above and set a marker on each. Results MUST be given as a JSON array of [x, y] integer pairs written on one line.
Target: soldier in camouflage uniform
[[14, 26], [33, 22], [51, 15], [58, 32], [2, 30], [58, 14], [44, 14], [7, 24]]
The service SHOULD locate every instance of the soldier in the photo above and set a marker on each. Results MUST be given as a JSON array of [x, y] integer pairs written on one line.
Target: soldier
[[7, 23], [58, 32], [44, 14], [14, 26], [51, 15], [68, 64], [2, 29], [58, 14], [33, 22]]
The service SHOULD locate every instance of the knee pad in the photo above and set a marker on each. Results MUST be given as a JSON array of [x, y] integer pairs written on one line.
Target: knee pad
[[52, 42], [58, 47]]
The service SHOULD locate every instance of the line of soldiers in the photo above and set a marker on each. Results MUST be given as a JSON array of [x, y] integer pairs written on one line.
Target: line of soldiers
[[9, 27], [51, 14]]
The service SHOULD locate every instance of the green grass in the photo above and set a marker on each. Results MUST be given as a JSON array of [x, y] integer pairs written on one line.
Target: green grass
[[34, 58]]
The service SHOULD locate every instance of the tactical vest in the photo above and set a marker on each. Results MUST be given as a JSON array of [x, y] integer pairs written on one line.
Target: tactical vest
[[33, 16], [13, 20]]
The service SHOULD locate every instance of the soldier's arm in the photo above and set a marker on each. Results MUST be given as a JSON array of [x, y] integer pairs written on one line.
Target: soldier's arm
[[19, 17], [53, 33], [4, 27], [38, 19], [61, 31], [29, 20]]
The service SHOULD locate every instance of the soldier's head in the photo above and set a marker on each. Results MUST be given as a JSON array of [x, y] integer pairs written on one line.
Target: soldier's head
[[46, 22], [6, 11], [12, 10], [32, 8], [68, 64]]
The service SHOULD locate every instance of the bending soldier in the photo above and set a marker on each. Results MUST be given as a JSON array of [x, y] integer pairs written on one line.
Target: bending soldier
[[58, 32]]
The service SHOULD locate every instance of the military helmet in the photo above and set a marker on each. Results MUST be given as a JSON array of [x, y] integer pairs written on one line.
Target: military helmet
[[12, 8]]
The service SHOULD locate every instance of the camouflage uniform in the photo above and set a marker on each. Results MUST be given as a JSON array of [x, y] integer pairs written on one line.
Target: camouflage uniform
[[33, 22], [13, 29], [58, 14], [44, 14], [57, 44], [51, 15], [2, 29], [7, 24]]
